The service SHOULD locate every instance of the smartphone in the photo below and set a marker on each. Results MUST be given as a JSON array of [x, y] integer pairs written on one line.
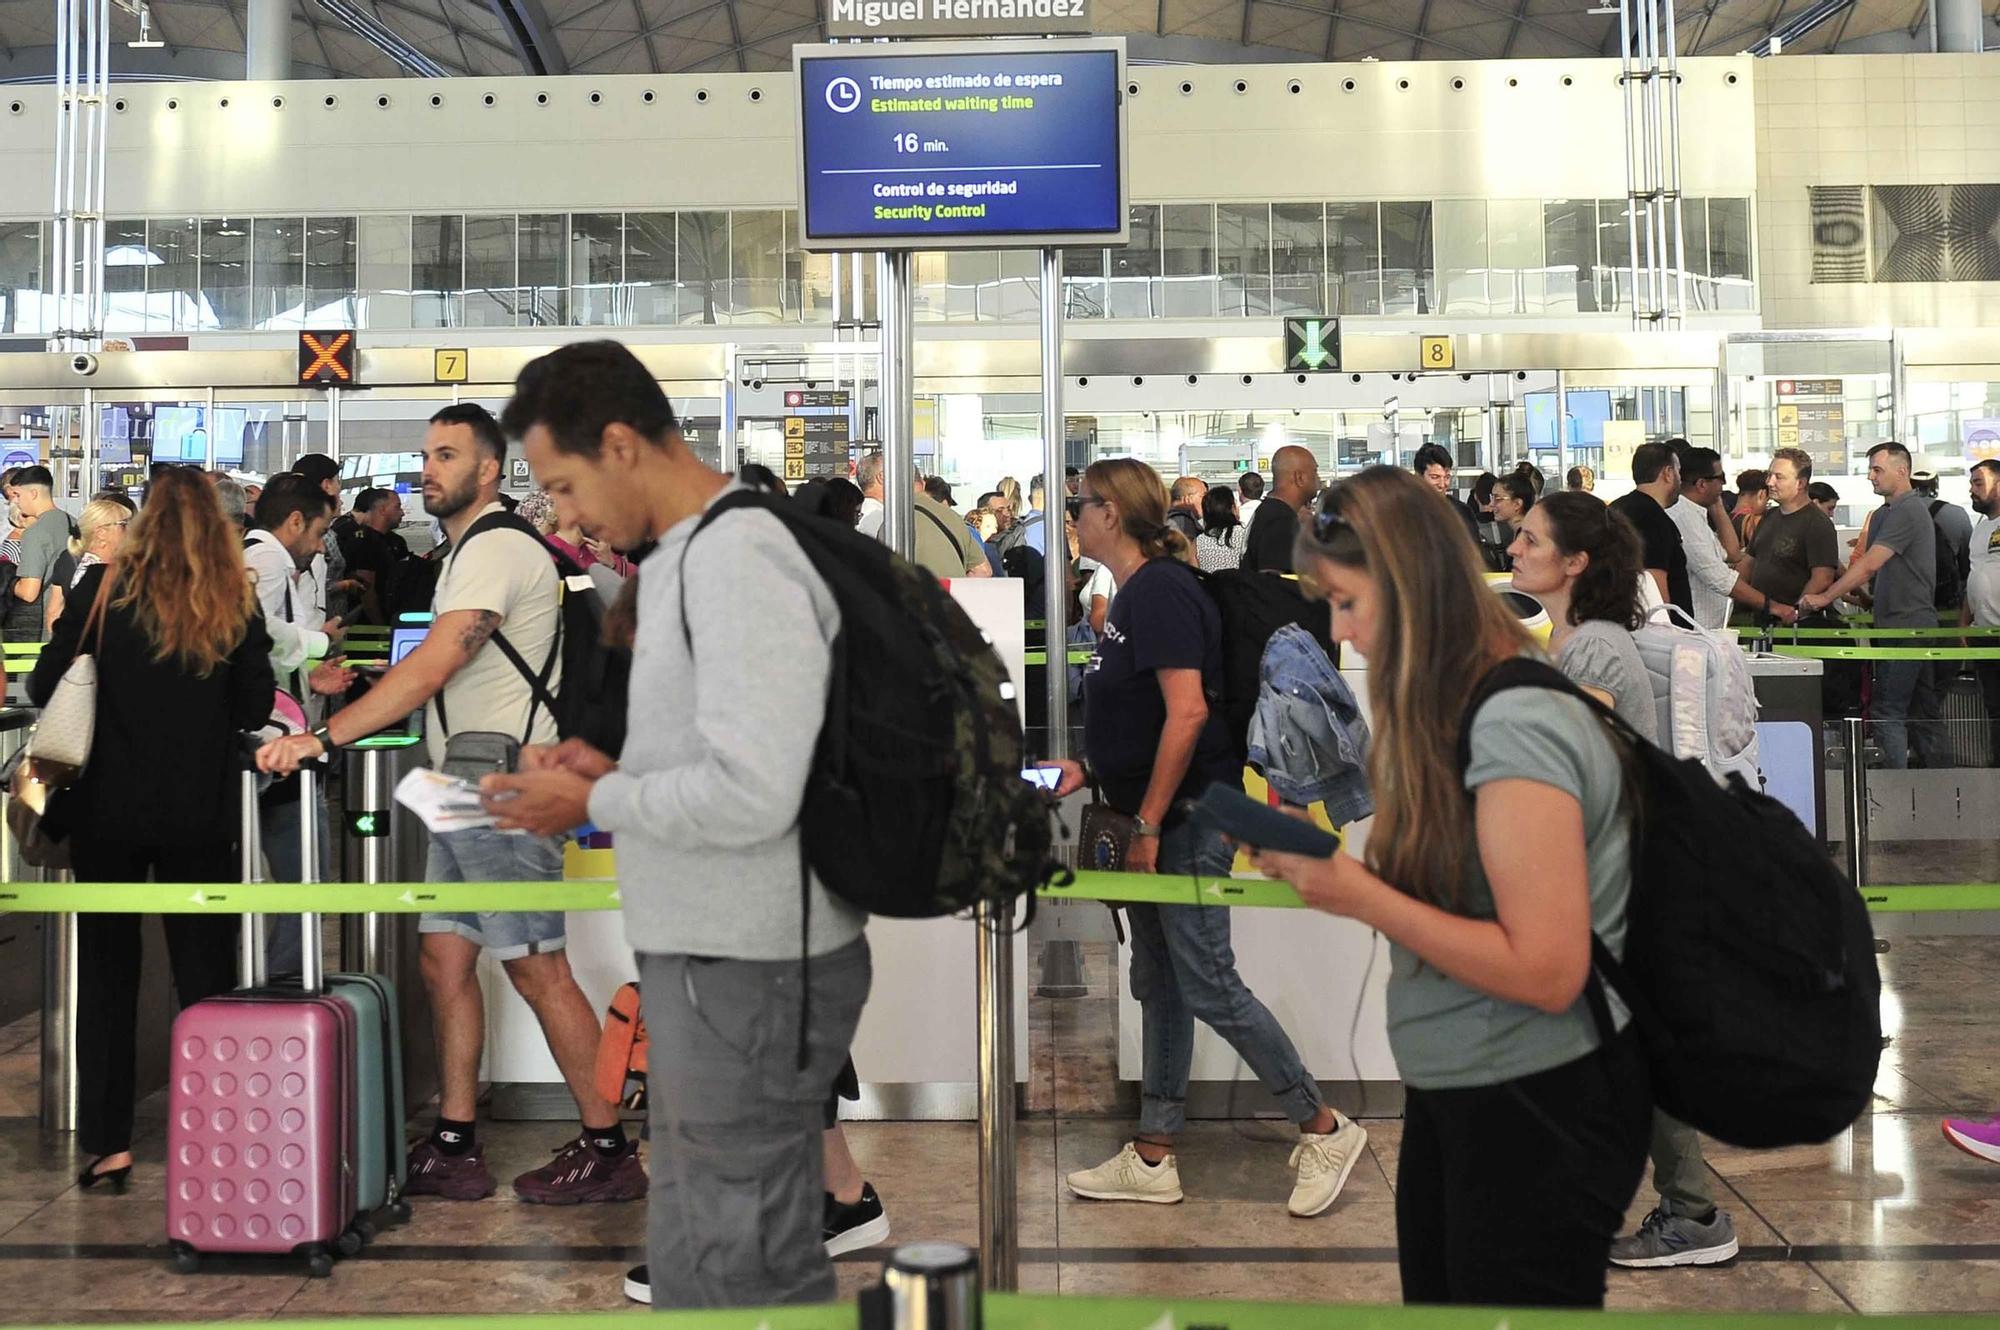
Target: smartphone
[[1046, 777]]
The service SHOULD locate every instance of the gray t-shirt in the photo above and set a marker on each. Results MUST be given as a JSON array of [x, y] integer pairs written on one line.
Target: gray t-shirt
[[1982, 587], [42, 548], [1446, 1035], [1905, 589], [1602, 655]]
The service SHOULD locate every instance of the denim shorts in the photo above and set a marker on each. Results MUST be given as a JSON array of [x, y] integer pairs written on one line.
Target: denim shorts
[[497, 856]]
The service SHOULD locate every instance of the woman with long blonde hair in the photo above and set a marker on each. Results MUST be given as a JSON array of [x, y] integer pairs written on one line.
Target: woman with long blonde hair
[[1152, 743], [183, 669], [1524, 1131]]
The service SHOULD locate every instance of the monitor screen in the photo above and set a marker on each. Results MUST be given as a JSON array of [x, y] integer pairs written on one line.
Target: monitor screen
[[402, 641], [1588, 408], [924, 149], [182, 434]]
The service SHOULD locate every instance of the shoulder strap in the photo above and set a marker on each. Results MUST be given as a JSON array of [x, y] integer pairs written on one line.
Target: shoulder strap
[[938, 522], [728, 503], [540, 695], [1527, 672]]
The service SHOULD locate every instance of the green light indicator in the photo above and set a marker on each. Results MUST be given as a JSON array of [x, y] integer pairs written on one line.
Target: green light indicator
[[1314, 353], [368, 826]]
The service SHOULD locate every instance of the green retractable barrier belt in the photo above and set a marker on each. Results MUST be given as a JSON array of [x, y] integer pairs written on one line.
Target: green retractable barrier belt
[[586, 894], [1077, 656], [1889, 653], [1786, 636]]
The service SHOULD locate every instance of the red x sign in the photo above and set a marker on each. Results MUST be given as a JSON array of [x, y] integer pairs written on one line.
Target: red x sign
[[326, 358]]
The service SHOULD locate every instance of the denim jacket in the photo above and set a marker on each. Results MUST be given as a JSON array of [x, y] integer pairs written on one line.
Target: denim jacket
[[1308, 736]]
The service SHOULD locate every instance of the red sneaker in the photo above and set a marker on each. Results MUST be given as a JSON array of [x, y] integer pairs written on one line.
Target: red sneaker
[[579, 1174], [453, 1177]]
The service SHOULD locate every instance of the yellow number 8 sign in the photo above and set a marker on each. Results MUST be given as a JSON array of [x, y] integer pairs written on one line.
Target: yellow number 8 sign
[[1437, 353]]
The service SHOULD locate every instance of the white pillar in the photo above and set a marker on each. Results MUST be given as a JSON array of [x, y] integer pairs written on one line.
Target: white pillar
[[1959, 24], [268, 46]]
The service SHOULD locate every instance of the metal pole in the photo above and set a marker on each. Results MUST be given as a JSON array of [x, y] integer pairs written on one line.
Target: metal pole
[[1054, 530], [332, 423], [1857, 802], [249, 955], [59, 1032], [1631, 154], [999, 1227], [1562, 428], [310, 959], [899, 452], [369, 791]]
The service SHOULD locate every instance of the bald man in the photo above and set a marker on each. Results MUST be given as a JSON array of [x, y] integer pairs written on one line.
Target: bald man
[[1185, 514], [1294, 481]]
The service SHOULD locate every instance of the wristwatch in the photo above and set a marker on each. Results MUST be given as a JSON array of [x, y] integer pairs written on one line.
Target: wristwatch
[[1141, 827], [325, 738]]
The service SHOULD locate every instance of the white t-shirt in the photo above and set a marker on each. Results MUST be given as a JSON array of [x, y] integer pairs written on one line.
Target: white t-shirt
[[512, 574], [1982, 587], [1101, 583]]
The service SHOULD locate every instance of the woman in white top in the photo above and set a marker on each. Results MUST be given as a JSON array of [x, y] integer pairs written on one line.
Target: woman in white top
[[1220, 544], [99, 533]]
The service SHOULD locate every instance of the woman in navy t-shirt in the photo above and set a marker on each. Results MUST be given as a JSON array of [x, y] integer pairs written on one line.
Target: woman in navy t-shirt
[[1152, 742]]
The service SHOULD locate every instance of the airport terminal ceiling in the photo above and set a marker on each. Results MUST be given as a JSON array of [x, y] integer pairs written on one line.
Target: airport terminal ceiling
[[501, 37]]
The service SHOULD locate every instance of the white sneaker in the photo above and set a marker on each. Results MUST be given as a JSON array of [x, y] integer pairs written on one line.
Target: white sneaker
[[1323, 1164], [1127, 1177]]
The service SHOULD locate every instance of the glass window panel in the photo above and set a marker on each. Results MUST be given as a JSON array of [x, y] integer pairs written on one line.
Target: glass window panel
[[126, 259], [1729, 258], [382, 273], [652, 293], [1134, 276], [1514, 283], [278, 272], [1298, 258], [1353, 259], [1084, 288], [1187, 234], [1694, 253], [173, 291], [704, 266], [225, 272], [331, 270], [1243, 258], [21, 283], [808, 279], [971, 286], [930, 287], [1462, 259], [596, 266], [1019, 298], [437, 271], [491, 273], [757, 244], [1569, 236], [1614, 254], [542, 269], [1408, 266]]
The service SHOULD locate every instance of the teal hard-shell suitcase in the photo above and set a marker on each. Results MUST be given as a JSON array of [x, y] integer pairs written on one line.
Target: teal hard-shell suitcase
[[380, 1157]]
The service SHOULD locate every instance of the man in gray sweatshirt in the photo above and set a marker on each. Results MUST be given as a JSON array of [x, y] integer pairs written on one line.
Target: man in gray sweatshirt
[[705, 803]]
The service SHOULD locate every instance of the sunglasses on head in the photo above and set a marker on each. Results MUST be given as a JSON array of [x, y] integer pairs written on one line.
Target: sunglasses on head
[[1328, 520]]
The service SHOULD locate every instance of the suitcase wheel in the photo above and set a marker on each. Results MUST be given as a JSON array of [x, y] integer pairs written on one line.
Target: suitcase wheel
[[365, 1226], [401, 1209], [184, 1259], [319, 1261], [350, 1242]]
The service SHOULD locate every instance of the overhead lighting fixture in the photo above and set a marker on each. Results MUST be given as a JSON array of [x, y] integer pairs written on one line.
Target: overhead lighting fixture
[[145, 40]]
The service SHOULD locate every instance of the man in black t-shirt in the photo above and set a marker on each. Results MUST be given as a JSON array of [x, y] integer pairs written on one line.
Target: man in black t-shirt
[[1656, 476], [365, 544], [1294, 480]]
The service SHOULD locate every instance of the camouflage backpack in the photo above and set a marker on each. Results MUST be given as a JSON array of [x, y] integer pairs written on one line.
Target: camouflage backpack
[[915, 806]]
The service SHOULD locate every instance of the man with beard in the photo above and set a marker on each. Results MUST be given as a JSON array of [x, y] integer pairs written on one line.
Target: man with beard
[[1982, 585], [499, 589]]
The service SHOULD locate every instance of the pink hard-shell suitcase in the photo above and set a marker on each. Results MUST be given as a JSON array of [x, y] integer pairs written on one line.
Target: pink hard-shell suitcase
[[261, 1113]]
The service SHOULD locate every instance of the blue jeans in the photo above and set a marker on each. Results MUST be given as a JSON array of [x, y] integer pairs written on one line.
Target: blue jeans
[[486, 855], [1184, 970], [1905, 691]]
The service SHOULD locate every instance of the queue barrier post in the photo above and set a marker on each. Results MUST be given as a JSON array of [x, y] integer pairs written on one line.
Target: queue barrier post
[[1856, 809]]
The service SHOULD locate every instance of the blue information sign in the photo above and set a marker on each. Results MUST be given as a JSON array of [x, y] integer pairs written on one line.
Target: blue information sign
[[991, 145]]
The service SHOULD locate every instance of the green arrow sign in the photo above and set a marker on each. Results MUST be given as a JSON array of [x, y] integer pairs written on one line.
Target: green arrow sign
[[1312, 344]]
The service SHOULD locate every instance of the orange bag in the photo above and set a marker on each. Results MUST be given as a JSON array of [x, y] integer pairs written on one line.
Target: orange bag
[[621, 1053]]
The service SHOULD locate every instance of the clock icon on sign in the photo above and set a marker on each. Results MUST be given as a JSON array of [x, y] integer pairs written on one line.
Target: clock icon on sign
[[843, 95]]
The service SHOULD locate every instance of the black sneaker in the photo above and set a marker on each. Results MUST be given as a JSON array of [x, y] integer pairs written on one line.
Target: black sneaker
[[855, 1227], [637, 1286]]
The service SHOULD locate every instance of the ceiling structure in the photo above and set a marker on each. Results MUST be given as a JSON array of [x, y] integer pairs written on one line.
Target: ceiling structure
[[392, 38]]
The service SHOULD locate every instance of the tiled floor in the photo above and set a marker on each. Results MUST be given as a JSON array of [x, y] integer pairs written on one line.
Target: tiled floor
[[1887, 1219]]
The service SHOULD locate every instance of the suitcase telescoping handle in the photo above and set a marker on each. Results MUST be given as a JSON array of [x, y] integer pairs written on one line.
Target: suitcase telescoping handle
[[250, 950]]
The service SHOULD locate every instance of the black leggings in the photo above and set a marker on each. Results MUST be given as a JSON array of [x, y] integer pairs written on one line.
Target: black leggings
[[201, 951], [1509, 1195]]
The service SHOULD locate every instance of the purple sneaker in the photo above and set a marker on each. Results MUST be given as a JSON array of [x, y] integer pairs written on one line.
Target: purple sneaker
[[1980, 1139], [453, 1177], [579, 1174]]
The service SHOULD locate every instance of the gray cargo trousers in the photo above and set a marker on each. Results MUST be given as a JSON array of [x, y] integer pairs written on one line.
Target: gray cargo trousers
[[739, 1192]]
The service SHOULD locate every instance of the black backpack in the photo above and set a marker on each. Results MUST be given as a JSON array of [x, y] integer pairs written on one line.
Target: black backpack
[[595, 675], [1254, 606], [1749, 962], [915, 806], [1952, 566]]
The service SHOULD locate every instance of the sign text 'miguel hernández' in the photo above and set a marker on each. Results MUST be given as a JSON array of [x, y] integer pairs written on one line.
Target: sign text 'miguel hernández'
[[917, 147], [956, 18]]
